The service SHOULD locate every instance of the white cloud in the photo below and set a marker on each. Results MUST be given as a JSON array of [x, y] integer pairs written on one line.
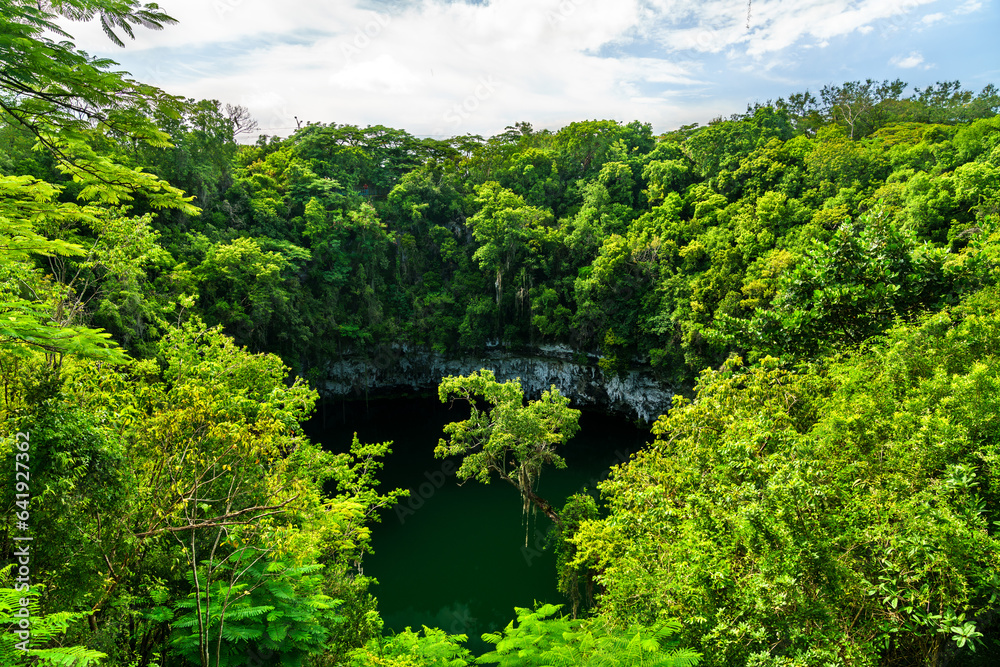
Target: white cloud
[[968, 7], [716, 25], [931, 19], [907, 62], [383, 74], [420, 64]]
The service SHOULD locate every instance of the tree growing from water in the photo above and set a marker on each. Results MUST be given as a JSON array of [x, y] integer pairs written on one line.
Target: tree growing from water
[[505, 437]]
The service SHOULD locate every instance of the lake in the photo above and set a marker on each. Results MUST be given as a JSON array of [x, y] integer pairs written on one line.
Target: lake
[[452, 556]]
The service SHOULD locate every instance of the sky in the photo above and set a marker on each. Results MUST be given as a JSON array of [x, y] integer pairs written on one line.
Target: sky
[[445, 68]]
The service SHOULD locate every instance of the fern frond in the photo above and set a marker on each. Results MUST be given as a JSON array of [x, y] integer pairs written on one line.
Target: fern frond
[[235, 633], [241, 613], [684, 657], [67, 656]]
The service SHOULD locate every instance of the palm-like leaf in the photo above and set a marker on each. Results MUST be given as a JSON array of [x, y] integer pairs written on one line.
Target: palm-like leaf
[[114, 15]]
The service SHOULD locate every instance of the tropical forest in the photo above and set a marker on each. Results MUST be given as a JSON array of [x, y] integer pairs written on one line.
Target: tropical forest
[[813, 282]]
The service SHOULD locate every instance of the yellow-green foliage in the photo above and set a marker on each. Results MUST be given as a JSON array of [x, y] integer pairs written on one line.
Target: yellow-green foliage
[[836, 513]]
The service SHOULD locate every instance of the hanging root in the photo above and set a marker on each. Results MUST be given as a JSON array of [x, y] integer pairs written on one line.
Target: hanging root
[[525, 502], [525, 481]]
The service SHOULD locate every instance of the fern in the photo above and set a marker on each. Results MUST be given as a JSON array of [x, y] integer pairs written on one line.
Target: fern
[[541, 640], [240, 612], [44, 629], [434, 649], [273, 609], [68, 656]]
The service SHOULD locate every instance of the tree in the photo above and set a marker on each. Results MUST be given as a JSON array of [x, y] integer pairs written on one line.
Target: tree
[[610, 294], [540, 638], [848, 289], [243, 289], [509, 439], [803, 108], [837, 513], [721, 145], [837, 162], [502, 226], [948, 102], [860, 105], [63, 95], [240, 120], [16, 646], [69, 101], [434, 648], [216, 479], [121, 15], [28, 317], [259, 605]]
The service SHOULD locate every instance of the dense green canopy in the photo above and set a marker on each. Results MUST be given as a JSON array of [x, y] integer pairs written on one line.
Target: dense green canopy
[[817, 278]]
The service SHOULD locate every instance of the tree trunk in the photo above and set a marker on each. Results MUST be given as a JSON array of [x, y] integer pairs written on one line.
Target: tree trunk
[[543, 505]]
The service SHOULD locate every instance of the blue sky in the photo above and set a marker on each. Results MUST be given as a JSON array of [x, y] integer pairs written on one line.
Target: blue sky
[[439, 67]]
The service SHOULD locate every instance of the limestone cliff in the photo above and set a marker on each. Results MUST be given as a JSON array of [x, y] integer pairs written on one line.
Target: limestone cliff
[[636, 393]]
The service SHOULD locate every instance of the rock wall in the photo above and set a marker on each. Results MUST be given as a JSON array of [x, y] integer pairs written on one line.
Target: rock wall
[[637, 394]]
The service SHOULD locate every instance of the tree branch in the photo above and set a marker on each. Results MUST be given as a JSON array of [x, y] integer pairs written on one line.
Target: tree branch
[[223, 520]]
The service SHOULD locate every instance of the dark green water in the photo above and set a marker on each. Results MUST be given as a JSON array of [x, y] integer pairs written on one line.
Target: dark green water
[[452, 556]]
